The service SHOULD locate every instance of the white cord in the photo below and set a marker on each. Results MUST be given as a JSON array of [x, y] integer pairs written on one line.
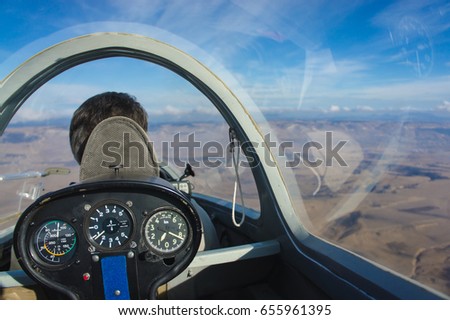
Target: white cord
[[237, 184]]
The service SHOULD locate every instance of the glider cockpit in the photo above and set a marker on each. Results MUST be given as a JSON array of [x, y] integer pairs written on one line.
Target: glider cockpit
[[120, 234]]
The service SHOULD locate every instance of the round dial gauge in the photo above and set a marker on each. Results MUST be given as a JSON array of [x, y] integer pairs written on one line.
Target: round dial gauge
[[55, 241], [109, 225], [166, 231]]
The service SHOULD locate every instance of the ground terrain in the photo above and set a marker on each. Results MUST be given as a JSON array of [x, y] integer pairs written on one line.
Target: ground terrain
[[390, 203]]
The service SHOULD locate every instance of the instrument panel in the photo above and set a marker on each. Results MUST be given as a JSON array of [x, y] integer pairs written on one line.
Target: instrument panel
[[80, 241]]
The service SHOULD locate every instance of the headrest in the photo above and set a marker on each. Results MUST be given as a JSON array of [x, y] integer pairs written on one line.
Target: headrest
[[118, 145]]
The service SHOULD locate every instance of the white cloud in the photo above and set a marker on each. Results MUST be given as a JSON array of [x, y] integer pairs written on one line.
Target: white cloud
[[424, 92], [54, 100], [317, 78], [351, 67], [334, 108], [55, 93], [313, 78], [429, 15], [365, 108], [444, 106], [170, 110], [322, 63], [429, 89], [138, 10], [211, 18]]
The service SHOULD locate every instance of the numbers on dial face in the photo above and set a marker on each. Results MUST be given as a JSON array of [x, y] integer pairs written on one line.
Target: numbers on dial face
[[55, 241], [109, 225], [166, 232]]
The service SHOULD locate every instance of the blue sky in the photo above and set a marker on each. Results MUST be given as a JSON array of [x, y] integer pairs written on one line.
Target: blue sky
[[332, 56]]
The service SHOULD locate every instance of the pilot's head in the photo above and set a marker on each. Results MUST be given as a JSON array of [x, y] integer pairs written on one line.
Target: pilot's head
[[98, 108]]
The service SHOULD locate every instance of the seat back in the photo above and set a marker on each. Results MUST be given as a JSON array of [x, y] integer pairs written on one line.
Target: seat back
[[118, 145]]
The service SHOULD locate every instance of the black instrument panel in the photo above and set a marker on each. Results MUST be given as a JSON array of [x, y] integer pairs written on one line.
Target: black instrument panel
[[82, 240]]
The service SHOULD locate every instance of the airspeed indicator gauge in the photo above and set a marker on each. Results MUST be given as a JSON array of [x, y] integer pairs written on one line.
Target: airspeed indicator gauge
[[54, 242], [166, 232]]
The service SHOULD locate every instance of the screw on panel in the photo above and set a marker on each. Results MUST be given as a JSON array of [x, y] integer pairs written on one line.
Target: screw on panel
[[130, 255], [129, 203], [95, 258], [87, 207], [117, 292]]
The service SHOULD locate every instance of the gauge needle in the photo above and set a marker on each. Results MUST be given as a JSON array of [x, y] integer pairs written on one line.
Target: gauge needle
[[176, 236], [164, 236], [57, 230], [98, 235]]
